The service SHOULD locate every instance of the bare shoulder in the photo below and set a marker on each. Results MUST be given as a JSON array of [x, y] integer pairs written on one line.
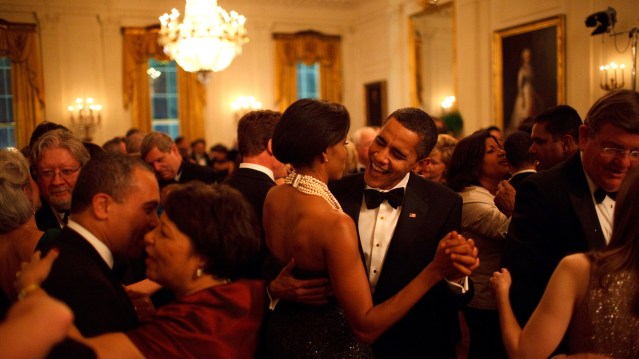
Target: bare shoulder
[[575, 263]]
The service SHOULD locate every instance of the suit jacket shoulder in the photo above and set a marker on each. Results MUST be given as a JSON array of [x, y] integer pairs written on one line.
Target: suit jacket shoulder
[[193, 172], [80, 278]]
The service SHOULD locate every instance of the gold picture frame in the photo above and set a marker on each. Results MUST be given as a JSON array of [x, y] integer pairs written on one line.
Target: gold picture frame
[[528, 70], [375, 106]]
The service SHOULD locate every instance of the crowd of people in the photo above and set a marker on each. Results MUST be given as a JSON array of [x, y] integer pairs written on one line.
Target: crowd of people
[[300, 244]]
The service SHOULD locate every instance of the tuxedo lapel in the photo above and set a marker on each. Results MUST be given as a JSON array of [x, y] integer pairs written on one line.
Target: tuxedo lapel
[[581, 200], [76, 240]]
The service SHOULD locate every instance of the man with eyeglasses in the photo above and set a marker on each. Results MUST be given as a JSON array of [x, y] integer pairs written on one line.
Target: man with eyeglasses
[[56, 159], [569, 208]]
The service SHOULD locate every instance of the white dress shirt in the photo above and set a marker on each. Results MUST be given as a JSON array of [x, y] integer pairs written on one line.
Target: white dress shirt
[[605, 210], [260, 168], [99, 246], [376, 227]]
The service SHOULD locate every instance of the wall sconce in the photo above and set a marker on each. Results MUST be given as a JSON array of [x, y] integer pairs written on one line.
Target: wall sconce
[[244, 104], [609, 79], [85, 115], [448, 102]]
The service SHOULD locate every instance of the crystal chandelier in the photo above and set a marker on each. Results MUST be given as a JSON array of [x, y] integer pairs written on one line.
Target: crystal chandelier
[[207, 39]]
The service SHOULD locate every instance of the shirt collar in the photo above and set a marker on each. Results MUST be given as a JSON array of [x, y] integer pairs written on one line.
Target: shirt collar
[[99, 246], [260, 168]]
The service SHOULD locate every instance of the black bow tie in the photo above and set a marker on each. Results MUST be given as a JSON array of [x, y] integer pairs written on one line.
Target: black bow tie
[[374, 198], [600, 194]]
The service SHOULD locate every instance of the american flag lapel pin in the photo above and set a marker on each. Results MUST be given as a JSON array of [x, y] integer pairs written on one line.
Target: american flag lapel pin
[[412, 215]]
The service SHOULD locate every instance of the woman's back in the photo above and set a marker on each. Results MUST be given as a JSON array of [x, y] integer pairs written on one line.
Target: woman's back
[[603, 321], [300, 226]]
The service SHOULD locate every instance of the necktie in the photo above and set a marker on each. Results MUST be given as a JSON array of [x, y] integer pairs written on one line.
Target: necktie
[[600, 195], [374, 198]]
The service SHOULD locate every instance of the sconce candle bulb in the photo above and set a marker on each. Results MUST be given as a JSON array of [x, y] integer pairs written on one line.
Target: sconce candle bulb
[[85, 116], [610, 79]]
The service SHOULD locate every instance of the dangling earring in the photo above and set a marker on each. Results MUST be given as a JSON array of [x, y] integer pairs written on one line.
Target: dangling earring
[[198, 273]]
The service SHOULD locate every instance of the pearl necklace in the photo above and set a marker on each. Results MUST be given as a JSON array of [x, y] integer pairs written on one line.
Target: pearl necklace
[[312, 186]]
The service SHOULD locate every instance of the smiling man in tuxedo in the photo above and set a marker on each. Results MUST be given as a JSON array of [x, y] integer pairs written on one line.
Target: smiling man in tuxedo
[[399, 230]]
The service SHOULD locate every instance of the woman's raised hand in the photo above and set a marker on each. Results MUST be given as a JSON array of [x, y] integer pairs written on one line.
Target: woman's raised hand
[[34, 272], [500, 282]]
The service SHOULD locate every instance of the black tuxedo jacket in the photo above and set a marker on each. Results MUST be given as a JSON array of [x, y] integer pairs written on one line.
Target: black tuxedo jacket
[[254, 185], [517, 179], [80, 278], [554, 216], [429, 211], [45, 218], [192, 172]]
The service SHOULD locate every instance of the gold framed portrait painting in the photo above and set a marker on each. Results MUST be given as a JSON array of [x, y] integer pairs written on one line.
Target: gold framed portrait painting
[[529, 70]]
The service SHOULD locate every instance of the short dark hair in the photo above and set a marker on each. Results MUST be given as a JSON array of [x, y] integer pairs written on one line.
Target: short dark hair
[[107, 173], [422, 124], [560, 120], [113, 145], [619, 108], [161, 140], [220, 223], [132, 131], [307, 128], [196, 141], [465, 165], [254, 131], [516, 146]]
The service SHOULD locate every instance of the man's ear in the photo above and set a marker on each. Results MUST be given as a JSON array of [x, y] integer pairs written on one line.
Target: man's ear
[[566, 143], [101, 204], [421, 164], [269, 147], [175, 150]]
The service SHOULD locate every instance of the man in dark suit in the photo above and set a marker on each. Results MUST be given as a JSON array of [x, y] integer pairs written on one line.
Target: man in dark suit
[[57, 158], [569, 208], [114, 206], [400, 235], [258, 170], [159, 151]]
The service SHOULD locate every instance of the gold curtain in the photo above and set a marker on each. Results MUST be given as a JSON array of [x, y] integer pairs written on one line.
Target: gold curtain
[[141, 44], [308, 47], [19, 42]]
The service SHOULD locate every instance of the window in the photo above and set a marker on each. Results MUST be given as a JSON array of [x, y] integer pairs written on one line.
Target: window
[[7, 124], [164, 107], [308, 80]]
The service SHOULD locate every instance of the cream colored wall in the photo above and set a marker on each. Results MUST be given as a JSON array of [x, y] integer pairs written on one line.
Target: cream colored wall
[[82, 51]]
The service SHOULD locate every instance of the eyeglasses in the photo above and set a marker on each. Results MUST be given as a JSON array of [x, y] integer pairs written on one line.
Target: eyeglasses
[[65, 173], [614, 152]]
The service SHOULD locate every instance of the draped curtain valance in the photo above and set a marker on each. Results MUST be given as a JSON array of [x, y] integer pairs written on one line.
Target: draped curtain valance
[[309, 47]]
